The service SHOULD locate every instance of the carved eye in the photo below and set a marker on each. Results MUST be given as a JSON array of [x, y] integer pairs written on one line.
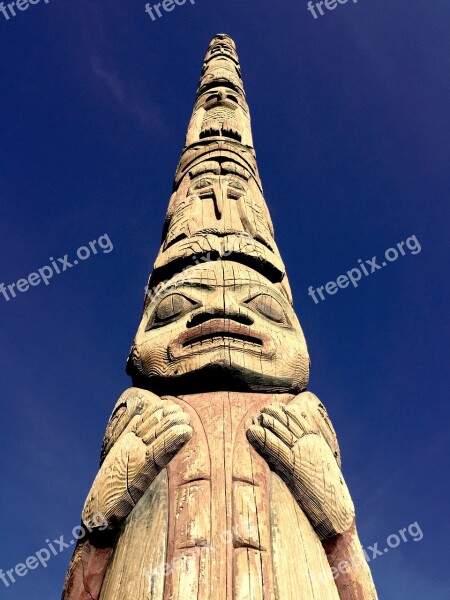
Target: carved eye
[[237, 185], [203, 183], [268, 307], [170, 309], [235, 190]]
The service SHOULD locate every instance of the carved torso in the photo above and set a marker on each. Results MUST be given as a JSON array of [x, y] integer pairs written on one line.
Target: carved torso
[[225, 525]]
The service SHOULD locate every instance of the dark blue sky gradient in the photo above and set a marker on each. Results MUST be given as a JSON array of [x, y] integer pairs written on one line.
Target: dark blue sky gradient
[[351, 125]]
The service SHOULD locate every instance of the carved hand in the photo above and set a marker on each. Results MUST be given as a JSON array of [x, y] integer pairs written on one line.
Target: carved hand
[[143, 435], [298, 442]]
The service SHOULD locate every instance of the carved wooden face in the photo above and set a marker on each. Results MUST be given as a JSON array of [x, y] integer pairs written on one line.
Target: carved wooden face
[[220, 112], [220, 325], [222, 46], [219, 198]]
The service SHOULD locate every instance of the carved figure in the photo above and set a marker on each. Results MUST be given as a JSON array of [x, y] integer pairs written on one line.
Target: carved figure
[[220, 474]]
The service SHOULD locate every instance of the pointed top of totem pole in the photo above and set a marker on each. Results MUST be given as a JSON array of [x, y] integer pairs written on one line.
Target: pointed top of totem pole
[[221, 66], [217, 210]]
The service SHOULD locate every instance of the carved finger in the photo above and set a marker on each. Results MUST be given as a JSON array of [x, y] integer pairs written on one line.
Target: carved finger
[[279, 455], [152, 417], [150, 434], [138, 401], [171, 408], [158, 455], [147, 422], [276, 411], [164, 448], [299, 421], [138, 421], [136, 405], [316, 413], [132, 402], [152, 424], [277, 428], [287, 418]]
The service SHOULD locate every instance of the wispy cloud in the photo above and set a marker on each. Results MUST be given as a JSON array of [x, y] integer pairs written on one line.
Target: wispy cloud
[[147, 113]]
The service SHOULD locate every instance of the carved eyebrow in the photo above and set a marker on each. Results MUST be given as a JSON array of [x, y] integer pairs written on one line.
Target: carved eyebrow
[[197, 285], [206, 167], [175, 287], [231, 282], [261, 289]]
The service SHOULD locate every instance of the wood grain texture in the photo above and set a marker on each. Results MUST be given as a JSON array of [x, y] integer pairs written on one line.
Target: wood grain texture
[[231, 516], [301, 566], [220, 475], [349, 566], [290, 438], [136, 567], [146, 435], [220, 525], [87, 570], [221, 317]]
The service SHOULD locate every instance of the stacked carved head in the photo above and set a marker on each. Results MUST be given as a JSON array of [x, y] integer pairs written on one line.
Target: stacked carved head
[[218, 314]]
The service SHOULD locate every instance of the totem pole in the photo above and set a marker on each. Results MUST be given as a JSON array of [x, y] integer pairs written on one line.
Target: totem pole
[[220, 475]]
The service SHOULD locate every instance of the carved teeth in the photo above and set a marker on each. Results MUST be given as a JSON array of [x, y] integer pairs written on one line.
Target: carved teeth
[[221, 339]]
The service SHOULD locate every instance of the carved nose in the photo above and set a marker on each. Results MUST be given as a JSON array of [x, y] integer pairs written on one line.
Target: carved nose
[[208, 315], [218, 200]]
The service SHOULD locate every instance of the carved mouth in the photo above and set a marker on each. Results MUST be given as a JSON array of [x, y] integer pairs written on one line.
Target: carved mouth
[[227, 103], [221, 337], [220, 333]]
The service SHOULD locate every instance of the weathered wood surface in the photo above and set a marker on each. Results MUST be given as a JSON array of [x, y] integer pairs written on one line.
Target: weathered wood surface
[[219, 489], [221, 525], [87, 570], [349, 566], [220, 475], [140, 549], [231, 517], [144, 434]]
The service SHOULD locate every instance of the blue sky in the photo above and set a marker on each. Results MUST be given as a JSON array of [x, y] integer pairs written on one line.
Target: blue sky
[[350, 120]]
